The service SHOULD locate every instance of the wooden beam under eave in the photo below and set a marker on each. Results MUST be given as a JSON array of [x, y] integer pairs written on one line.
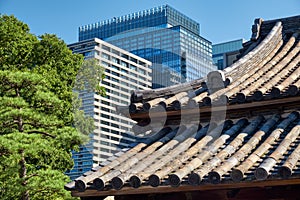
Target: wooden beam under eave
[[232, 111], [186, 188]]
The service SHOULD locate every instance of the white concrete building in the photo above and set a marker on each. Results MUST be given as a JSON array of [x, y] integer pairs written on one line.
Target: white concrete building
[[124, 72]]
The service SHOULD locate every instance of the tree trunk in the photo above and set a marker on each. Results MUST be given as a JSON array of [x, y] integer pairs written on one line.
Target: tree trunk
[[23, 175], [19, 119]]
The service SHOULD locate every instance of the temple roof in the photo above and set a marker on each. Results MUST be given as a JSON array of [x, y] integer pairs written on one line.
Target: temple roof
[[247, 152], [239, 127]]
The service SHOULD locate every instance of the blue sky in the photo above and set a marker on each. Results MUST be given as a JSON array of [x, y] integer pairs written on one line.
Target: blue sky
[[220, 20]]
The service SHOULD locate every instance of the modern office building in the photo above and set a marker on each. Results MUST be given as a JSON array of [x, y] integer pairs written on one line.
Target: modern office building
[[162, 35], [124, 72], [224, 54]]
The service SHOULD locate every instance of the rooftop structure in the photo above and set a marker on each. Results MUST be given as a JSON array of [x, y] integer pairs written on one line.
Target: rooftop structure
[[162, 16]]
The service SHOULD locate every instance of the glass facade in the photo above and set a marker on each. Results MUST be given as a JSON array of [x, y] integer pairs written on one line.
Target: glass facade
[[162, 16], [83, 160], [220, 50], [162, 35], [124, 72]]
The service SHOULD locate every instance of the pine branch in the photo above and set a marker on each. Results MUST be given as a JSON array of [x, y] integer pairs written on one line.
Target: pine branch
[[40, 125], [42, 133], [7, 89], [32, 175], [4, 152], [9, 124]]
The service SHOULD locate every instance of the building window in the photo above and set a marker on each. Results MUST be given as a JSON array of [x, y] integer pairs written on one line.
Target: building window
[[104, 55], [124, 64], [114, 138], [105, 129], [104, 116], [115, 60], [104, 143], [104, 150]]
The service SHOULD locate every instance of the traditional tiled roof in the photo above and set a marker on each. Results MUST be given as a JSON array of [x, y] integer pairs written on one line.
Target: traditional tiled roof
[[257, 144], [246, 150]]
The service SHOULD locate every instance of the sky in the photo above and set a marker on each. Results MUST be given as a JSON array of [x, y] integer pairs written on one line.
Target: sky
[[220, 20]]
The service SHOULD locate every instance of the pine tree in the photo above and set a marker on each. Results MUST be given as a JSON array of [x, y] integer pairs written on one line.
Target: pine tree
[[37, 113]]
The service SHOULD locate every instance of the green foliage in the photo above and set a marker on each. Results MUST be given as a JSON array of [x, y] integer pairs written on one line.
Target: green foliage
[[17, 44], [53, 59], [84, 124], [24, 95], [42, 183], [87, 81], [49, 180], [38, 112], [29, 123], [89, 76]]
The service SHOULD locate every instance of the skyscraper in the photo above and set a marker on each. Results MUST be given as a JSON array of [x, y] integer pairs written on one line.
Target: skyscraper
[[124, 72], [162, 35], [224, 54]]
